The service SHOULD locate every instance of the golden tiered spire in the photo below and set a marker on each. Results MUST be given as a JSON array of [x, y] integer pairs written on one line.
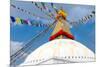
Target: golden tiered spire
[[62, 29]]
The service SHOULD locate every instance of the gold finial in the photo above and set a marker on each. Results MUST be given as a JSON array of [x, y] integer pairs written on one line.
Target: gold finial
[[61, 14]]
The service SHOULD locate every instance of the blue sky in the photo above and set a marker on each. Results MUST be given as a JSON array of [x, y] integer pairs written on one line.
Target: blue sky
[[20, 34]]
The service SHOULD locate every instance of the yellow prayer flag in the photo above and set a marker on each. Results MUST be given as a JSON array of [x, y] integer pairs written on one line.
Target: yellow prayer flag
[[18, 21]]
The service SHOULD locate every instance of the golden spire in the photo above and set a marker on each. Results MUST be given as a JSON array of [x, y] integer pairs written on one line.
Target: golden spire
[[62, 29]]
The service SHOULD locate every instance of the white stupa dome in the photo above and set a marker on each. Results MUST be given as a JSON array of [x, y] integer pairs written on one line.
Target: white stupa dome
[[60, 51]]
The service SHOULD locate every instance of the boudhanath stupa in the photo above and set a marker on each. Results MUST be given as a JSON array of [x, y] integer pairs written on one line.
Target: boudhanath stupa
[[62, 48]]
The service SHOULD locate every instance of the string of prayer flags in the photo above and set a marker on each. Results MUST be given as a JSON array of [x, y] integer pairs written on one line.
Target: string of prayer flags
[[18, 20], [88, 17], [45, 8], [30, 13], [84, 19]]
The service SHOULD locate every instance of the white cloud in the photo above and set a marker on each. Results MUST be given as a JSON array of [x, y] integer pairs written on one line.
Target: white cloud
[[15, 46]]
